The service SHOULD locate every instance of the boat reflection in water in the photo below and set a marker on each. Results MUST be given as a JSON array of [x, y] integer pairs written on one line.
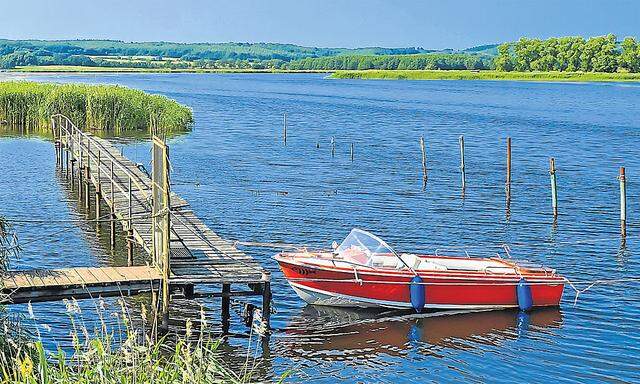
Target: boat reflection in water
[[339, 333]]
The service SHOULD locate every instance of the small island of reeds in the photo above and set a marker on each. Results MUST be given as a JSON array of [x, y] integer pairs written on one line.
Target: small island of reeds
[[483, 75], [112, 108]]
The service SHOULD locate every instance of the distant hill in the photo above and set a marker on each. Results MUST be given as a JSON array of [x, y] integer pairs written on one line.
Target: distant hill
[[191, 51], [168, 55], [488, 49]]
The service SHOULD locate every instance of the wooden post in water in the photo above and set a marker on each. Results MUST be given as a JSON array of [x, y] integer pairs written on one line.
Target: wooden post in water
[[266, 302], [333, 146], [87, 179], [462, 169], [508, 182], [226, 301], [424, 161], [351, 151], [98, 190], [623, 202], [284, 118], [130, 229], [554, 188], [112, 216]]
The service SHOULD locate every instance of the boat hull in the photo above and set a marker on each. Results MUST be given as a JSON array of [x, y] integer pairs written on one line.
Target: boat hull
[[375, 289]]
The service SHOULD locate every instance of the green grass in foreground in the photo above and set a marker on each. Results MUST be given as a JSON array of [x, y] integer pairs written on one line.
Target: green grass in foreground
[[484, 75], [77, 68], [104, 107], [124, 353]]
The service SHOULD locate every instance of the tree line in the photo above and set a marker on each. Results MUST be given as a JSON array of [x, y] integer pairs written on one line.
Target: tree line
[[442, 61], [571, 54]]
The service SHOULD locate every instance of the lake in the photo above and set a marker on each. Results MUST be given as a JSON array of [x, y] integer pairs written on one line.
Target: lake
[[246, 185]]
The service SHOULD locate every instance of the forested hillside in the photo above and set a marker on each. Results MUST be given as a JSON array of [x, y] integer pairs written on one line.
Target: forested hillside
[[112, 53]]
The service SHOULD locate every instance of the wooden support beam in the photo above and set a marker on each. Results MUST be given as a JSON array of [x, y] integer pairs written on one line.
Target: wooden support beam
[[226, 305]]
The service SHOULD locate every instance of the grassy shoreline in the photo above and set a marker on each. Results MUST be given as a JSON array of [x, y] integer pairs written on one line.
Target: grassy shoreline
[[485, 75], [81, 69]]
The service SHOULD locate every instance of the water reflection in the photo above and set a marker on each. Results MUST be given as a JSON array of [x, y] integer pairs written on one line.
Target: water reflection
[[321, 331]]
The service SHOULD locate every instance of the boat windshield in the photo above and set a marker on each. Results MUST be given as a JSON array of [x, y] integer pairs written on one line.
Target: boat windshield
[[361, 246]]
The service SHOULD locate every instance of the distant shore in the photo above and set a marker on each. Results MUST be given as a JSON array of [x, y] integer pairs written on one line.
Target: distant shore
[[484, 75], [79, 69]]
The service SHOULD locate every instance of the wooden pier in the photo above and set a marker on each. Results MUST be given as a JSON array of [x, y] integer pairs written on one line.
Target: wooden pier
[[182, 252]]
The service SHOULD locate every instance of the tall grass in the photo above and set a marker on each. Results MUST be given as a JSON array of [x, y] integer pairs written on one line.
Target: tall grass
[[29, 105], [134, 354]]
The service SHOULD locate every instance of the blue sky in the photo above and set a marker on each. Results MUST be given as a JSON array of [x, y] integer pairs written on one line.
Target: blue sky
[[327, 23]]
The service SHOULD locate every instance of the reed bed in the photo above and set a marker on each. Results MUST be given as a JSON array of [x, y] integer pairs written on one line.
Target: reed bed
[[484, 75], [132, 354], [111, 108]]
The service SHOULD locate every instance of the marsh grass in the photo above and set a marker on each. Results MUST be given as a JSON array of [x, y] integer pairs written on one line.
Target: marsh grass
[[111, 108], [484, 75], [130, 354]]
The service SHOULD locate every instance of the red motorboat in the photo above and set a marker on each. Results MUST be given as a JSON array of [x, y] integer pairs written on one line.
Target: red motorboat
[[365, 272]]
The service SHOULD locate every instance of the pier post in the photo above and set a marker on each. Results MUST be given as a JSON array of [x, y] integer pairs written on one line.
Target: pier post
[[424, 161], [284, 134], [352, 152], [98, 190], [112, 223], [266, 303], [507, 186], [130, 229], [333, 146], [623, 202], [554, 188], [462, 168], [226, 304], [87, 175]]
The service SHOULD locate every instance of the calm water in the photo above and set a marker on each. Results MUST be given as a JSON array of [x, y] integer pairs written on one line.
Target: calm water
[[245, 184]]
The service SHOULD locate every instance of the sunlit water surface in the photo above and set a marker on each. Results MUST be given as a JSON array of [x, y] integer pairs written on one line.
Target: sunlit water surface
[[246, 185]]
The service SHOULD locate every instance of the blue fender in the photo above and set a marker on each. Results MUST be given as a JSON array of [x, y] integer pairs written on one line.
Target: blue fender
[[417, 293], [523, 291]]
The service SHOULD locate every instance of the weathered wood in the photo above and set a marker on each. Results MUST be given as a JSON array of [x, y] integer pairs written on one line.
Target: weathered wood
[[462, 166], [193, 254], [424, 161], [623, 202], [554, 187], [56, 284]]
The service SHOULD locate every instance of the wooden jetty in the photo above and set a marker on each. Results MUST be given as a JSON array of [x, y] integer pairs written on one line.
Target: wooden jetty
[[183, 252]]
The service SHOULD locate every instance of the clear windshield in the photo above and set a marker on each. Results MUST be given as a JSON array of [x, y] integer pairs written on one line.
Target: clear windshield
[[361, 246]]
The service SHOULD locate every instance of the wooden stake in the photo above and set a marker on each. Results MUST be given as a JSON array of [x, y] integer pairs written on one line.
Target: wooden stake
[[87, 176], [508, 182], [462, 169], [333, 146], [130, 230], [266, 305], [554, 188], [623, 202], [112, 224], [351, 151], [226, 304], [285, 128], [424, 160], [98, 191]]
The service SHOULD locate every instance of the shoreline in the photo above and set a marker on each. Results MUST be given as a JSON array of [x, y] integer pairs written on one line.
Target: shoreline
[[485, 75], [80, 69]]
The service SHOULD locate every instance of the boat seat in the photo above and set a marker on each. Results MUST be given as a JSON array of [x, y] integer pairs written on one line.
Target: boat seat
[[409, 259]]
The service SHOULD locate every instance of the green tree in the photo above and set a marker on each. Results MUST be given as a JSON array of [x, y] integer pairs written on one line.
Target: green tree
[[504, 61], [630, 56]]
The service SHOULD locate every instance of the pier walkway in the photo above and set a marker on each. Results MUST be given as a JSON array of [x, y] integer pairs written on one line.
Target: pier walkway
[[183, 252]]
